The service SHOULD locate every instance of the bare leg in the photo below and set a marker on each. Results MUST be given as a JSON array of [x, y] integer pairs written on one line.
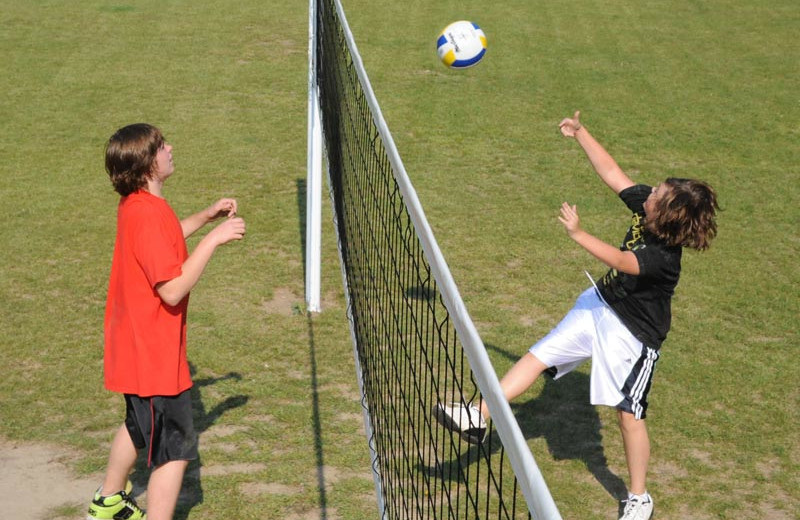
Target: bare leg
[[163, 489], [120, 462], [637, 450], [522, 375]]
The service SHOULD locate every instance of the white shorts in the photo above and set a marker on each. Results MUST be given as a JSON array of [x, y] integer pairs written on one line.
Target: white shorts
[[622, 367]]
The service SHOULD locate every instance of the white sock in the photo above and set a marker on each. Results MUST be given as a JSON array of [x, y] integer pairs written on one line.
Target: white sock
[[644, 497]]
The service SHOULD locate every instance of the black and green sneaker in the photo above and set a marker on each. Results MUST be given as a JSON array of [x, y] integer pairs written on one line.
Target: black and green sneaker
[[119, 506]]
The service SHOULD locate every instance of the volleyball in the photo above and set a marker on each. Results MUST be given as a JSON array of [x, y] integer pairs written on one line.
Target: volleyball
[[461, 44]]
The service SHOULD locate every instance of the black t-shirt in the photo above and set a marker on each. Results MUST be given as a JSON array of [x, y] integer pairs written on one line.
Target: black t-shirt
[[643, 302]]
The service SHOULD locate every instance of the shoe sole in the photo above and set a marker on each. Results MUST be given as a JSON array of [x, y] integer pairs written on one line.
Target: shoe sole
[[90, 517], [469, 435]]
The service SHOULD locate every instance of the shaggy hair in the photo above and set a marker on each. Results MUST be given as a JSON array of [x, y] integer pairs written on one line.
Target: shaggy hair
[[686, 214], [131, 155]]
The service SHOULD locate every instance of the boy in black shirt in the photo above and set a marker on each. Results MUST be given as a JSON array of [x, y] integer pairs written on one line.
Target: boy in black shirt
[[621, 322]]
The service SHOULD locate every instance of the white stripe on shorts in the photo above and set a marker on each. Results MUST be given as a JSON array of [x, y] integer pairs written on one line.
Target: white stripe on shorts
[[638, 393]]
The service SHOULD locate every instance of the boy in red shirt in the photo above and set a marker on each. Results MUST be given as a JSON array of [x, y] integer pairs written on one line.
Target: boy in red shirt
[[145, 323]]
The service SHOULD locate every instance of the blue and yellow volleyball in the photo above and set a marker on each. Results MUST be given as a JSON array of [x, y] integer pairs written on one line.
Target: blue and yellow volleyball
[[461, 44]]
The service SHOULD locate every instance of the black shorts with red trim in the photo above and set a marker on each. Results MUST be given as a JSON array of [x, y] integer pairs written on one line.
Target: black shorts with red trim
[[163, 426]]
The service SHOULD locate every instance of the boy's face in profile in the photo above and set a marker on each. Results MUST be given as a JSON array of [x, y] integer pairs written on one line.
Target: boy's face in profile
[[650, 204], [163, 167]]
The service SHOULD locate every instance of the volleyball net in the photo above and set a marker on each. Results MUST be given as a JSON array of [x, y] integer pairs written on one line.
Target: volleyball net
[[414, 343]]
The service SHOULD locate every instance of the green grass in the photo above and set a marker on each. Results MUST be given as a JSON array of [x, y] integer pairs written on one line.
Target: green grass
[[698, 89]]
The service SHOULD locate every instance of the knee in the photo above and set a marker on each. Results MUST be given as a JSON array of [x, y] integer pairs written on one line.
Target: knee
[[533, 364], [629, 423]]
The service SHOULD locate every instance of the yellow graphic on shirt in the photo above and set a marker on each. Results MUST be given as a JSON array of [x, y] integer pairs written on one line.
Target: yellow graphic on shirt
[[634, 240], [636, 233]]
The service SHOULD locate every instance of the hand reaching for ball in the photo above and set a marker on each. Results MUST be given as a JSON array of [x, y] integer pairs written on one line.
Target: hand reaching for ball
[[569, 126]]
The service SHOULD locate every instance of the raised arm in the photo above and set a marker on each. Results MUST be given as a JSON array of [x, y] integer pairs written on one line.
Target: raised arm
[[602, 162], [623, 261]]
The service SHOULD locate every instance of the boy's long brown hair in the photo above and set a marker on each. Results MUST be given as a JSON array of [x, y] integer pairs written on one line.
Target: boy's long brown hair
[[130, 156], [686, 214]]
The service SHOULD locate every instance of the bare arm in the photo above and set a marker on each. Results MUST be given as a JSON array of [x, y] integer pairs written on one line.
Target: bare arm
[[175, 290], [602, 162], [623, 261], [221, 208]]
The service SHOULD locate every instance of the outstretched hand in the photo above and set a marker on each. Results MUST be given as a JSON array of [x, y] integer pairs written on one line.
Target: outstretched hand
[[569, 126], [569, 217], [222, 208]]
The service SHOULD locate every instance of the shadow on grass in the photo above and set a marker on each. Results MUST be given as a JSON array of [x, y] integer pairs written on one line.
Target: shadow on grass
[[570, 425], [300, 185], [319, 451], [192, 490]]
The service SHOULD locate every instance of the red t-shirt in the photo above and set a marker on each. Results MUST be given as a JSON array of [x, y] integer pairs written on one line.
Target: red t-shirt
[[145, 339]]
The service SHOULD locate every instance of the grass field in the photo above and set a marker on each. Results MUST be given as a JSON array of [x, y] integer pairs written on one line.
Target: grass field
[[696, 89]]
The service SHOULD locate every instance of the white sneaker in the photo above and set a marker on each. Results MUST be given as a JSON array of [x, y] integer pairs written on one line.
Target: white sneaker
[[467, 421], [638, 508]]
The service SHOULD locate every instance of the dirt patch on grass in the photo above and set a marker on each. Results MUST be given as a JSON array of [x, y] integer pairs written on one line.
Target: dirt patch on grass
[[31, 471], [284, 302]]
